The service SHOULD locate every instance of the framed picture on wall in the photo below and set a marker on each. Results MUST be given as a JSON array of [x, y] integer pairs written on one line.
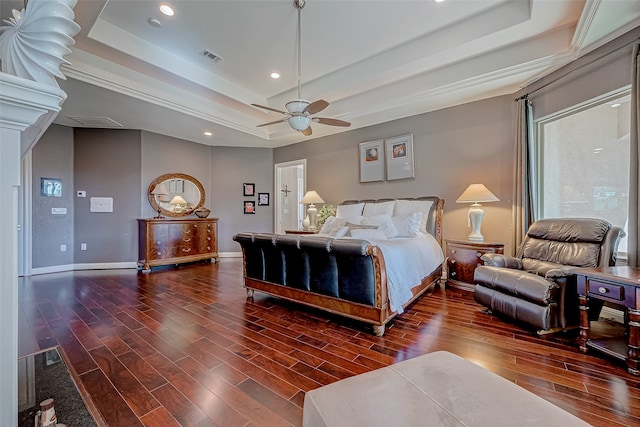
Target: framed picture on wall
[[249, 207], [399, 153], [372, 161], [50, 187], [263, 199], [248, 189]]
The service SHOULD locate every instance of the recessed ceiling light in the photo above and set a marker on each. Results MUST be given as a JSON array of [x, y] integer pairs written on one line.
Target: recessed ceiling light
[[166, 9], [616, 105], [208, 133], [275, 75], [155, 23]]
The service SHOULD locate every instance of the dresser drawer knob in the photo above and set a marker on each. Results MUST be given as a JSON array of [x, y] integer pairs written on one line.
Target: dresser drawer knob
[[603, 290], [453, 261], [159, 253], [453, 274], [208, 248], [208, 238]]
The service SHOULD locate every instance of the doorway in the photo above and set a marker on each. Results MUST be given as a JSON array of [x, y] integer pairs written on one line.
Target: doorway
[[290, 186]]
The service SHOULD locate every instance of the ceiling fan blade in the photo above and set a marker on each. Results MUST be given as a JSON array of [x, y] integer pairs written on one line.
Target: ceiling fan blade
[[307, 131], [316, 107], [331, 122], [269, 108], [272, 123]]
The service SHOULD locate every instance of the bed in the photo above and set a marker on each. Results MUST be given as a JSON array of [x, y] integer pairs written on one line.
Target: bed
[[368, 263]]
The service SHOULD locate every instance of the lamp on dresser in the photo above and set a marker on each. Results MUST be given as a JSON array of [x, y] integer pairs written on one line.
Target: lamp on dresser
[[179, 204], [474, 194], [311, 197], [159, 192]]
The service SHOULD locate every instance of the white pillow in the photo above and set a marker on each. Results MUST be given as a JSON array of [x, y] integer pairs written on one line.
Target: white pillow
[[383, 222], [339, 231], [329, 227], [371, 209], [368, 234], [407, 207], [410, 225], [344, 211]]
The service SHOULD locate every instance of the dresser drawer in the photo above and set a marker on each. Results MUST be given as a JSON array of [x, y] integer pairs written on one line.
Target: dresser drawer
[[607, 290]]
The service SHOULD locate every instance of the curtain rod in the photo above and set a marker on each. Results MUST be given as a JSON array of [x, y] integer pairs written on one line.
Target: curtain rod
[[526, 95]]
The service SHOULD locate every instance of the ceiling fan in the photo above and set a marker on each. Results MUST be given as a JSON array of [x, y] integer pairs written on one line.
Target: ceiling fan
[[299, 111]]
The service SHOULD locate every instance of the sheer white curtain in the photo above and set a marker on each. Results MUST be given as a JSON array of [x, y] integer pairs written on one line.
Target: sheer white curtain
[[634, 178], [524, 194]]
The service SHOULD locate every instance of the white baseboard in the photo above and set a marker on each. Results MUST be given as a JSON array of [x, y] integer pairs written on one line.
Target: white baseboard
[[106, 265], [230, 254], [87, 266]]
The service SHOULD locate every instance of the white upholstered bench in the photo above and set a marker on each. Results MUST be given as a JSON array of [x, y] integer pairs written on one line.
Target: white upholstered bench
[[437, 389]]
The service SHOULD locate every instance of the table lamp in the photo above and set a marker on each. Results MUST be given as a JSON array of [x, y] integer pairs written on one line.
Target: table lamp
[[476, 193], [311, 197], [179, 204]]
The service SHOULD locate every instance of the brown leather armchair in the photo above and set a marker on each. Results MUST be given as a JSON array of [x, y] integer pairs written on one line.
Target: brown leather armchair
[[536, 286]]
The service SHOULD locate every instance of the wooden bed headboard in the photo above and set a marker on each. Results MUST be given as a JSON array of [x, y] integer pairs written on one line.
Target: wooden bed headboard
[[434, 219]]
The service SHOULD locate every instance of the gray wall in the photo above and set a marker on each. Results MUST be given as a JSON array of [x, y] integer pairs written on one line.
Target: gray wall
[[453, 148], [107, 164], [52, 157], [231, 167]]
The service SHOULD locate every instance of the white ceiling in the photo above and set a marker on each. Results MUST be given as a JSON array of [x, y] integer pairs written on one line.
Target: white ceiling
[[373, 60]]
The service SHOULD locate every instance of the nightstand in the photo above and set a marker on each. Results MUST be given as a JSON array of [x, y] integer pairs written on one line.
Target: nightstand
[[462, 259], [301, 232]]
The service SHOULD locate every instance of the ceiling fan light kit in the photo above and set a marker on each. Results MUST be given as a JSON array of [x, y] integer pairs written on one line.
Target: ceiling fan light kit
[[299, 110]]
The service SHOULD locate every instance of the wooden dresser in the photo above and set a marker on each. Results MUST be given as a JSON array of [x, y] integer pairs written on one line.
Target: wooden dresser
[[174, 241]]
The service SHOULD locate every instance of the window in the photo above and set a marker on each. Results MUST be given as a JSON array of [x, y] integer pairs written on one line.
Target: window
[[584, 162]]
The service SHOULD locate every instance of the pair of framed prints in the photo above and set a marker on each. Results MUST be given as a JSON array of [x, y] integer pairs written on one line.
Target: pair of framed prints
[[391, 158]]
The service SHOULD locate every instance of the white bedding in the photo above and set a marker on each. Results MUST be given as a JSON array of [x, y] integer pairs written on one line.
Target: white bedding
[[408, 260]]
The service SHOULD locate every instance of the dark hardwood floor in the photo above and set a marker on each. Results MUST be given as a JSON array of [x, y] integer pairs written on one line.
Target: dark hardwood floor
[[183, 346]]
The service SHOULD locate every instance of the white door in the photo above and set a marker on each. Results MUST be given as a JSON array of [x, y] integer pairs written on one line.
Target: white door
[[290, 186]]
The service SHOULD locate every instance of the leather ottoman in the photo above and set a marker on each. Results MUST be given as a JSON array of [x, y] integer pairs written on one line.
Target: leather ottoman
[[437, 389]]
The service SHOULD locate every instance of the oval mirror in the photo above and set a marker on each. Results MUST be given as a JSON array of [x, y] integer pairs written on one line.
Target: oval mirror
[[176, 195]]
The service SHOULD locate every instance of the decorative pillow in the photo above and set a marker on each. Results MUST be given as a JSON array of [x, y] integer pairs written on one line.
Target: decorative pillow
[[339, 231], [383, 222], [410, 225], [345, 211], [372, 209], [355, 226], [368, 234], [407, 207], [328, 225]]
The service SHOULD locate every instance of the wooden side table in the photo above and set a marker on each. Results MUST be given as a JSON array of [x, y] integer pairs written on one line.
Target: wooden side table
[[617, 285], [301, 232], [462, 259]]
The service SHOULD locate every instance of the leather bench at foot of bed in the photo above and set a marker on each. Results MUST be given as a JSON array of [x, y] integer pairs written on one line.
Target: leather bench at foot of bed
[[437, 389]]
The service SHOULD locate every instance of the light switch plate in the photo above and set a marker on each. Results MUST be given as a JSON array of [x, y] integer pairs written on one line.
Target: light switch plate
[[58, 211], [81, 193]]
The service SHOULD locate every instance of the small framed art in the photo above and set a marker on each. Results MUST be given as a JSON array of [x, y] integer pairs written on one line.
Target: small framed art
[[372, 161], [249, 207], [399, 152], [263, 199], [248, 189], [50, 187]]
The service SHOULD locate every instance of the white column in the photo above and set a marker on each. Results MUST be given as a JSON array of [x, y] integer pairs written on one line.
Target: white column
[[22, 103]]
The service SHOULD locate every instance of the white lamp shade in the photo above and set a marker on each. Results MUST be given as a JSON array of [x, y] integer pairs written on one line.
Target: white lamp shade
[[311, 197], [178, 200], [477, 193], [160, 189]]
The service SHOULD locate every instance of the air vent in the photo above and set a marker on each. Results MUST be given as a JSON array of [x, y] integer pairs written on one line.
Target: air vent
[[96, 122], [210, 55]]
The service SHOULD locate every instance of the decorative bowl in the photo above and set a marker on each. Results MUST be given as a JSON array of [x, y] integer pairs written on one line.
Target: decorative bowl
[[202, 212]]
